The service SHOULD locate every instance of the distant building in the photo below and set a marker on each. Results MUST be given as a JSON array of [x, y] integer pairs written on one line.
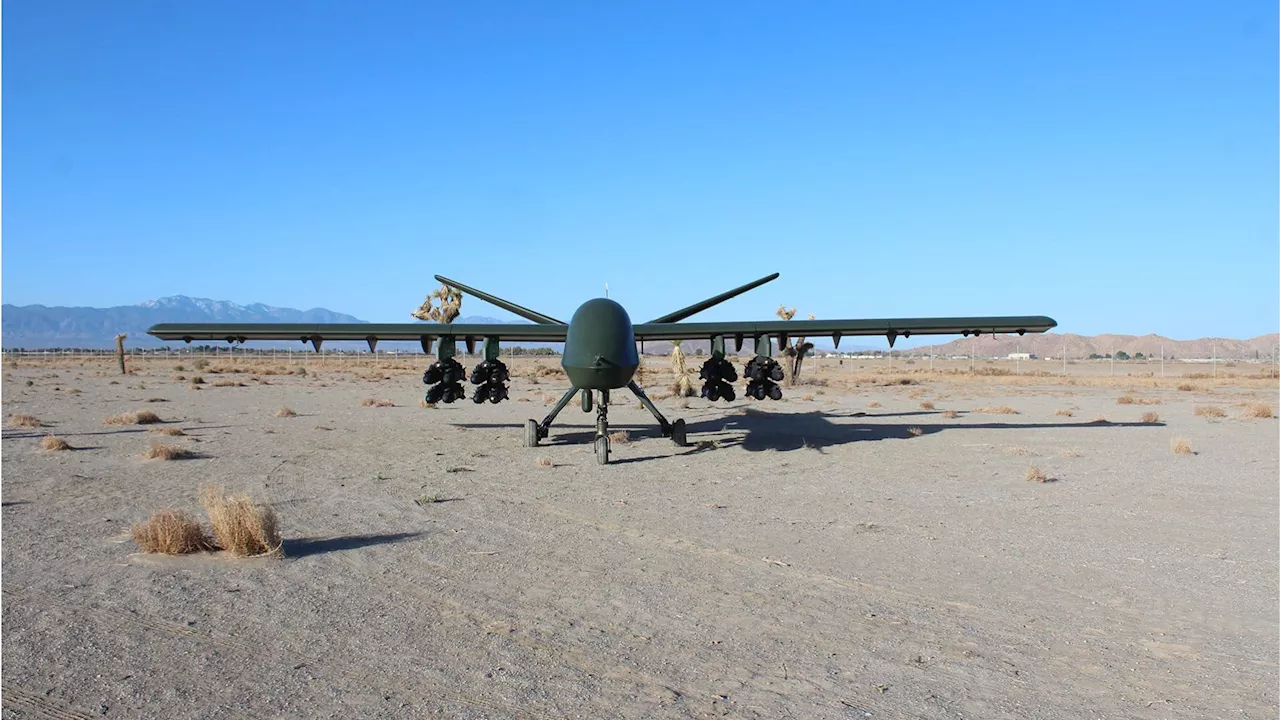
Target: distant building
[[1022, 356]]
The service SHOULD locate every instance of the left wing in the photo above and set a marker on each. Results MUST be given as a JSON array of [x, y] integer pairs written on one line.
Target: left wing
[[891, 328]]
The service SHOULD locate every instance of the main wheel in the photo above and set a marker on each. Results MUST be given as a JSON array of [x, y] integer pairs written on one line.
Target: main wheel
[[602, 450], [531, 433], [678, 433]]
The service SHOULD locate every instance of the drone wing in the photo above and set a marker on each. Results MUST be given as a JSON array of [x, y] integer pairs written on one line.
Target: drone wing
[[891, 328]]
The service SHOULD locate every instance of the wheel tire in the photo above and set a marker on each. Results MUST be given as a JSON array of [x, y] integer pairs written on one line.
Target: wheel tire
[[531, 433], [602, 450], [678, 435]]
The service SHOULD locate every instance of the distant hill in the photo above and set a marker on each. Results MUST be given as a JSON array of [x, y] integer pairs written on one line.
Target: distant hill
[[38, 326], [1080, 346]]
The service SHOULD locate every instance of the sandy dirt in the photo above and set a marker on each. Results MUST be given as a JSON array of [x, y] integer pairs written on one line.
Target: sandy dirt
[[814, 559]]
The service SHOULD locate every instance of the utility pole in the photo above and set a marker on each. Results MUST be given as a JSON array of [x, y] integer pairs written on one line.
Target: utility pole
[[930, 358], [1064, 355], [973, 355], [1113, 359], [1215, 359], [1162, 360]]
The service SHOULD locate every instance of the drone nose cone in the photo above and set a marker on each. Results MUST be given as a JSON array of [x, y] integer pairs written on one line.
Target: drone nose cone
[[600, 346]]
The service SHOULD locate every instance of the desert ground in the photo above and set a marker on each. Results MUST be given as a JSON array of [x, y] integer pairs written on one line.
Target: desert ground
[[868, 547]]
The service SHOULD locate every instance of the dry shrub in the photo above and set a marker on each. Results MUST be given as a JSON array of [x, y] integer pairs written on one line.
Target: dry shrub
[[51, 442], [915, 431], [171, 532], [997, 410], [1068, 453], [141, 417], [170, 431], [1099, 420], [286, 412], [1125, 400], [1035, 474], [371, 402], [422, 403], [1063, 412], [197, 380], [926, 405], [1180, 446], [545, 462], [1187, 387], [619, 436], [1148, 401], [228, 383], [242, 528], [874, 404], [155, 399], [1258, 411], [160, 451], [682, 388], [807, 398], [24, 420], [950, 414], [1150, 417], [1016, 451], [1210, 411]]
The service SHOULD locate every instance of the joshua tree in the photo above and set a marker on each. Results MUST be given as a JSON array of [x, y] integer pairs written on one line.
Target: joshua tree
[[441, 306], [120, 351], [795, 350], [682, 387]]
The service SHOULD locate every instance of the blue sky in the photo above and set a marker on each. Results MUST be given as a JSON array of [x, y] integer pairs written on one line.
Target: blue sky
[[1113, 165]]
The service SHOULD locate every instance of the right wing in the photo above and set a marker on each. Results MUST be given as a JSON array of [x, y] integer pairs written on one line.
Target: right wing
[[371, 333]]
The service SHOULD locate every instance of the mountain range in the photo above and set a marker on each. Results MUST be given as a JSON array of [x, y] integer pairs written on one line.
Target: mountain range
[[38, 326]]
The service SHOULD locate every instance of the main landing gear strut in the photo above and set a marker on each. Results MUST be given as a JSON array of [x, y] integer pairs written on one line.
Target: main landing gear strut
[[535, 431]]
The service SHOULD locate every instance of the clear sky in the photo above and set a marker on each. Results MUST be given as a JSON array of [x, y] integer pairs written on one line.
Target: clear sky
[[1112, 164]]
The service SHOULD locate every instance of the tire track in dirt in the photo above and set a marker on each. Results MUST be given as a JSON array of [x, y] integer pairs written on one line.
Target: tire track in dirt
[[27, 704], [115, 620], [1047, 662]]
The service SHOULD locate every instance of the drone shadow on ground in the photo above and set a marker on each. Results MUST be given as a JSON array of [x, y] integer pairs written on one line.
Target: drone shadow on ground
[[762, 430], [759, 430], [303, 547]]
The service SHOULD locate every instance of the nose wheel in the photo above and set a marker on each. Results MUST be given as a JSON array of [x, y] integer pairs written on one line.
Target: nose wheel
[[602, 428]]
